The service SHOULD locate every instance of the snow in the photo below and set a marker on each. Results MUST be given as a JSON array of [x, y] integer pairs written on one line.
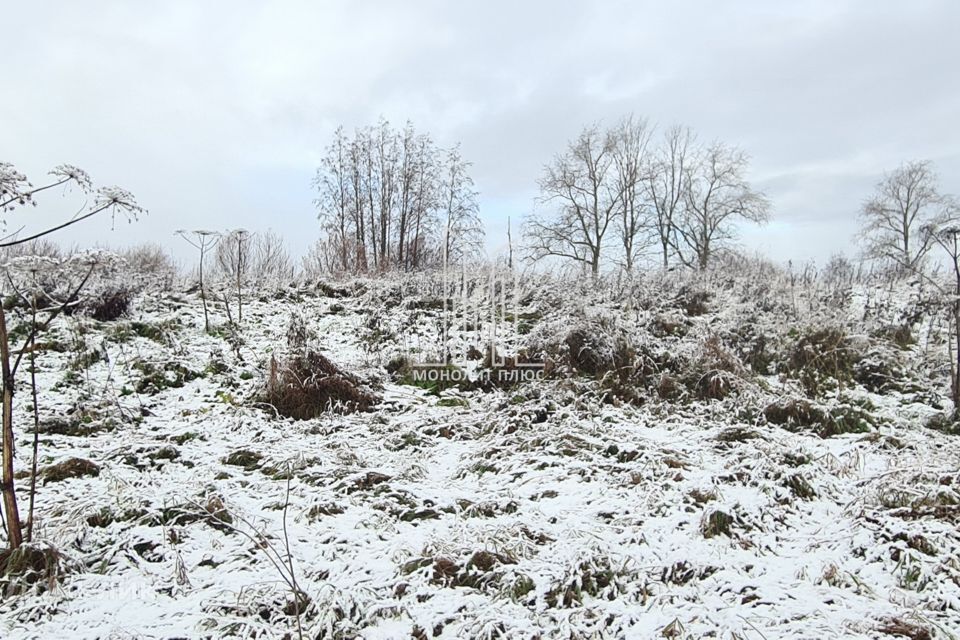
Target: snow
[[597, 492]]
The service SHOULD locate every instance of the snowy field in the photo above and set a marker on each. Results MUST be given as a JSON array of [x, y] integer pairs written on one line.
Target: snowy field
[[671, 503]]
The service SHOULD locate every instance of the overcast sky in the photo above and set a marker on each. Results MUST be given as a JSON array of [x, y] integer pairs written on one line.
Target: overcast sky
[[215, 114]]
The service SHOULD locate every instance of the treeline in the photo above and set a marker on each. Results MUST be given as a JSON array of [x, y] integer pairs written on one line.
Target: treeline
[[627, 192], [390, 199]]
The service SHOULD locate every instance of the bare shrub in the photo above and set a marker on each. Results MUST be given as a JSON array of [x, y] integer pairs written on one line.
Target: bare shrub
[[271, 264], [822, 358], [299, 334], [593, 347], [318, 261], [589, 352], [716, 371], [41, 248], [109, 304], [796, 414], [755, 348], [233, 254], [838, 272], [882, 369], [151, 262], [693, 301]]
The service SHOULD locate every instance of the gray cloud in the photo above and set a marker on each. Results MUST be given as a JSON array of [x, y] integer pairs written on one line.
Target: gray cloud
[[215, 114]]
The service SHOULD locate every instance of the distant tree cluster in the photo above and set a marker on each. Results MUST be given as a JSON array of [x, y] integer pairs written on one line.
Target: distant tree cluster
[[251, 258], [391, 199], [623, 190]]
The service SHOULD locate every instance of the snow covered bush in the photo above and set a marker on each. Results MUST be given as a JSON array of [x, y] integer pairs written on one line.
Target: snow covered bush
[[716, 371], [150, 267], [821, 359], [591, 347]]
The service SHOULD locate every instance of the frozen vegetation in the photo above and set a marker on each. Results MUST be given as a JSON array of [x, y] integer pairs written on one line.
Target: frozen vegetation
[[743, 453]]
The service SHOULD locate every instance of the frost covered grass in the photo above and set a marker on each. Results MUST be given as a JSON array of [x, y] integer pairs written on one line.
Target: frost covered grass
[[742, 459]]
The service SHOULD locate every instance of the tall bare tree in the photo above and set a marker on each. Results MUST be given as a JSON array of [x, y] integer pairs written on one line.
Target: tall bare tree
[[716, 196], [898, 219], [361, 198], [581, 184], [385, 156], [425, 204], [407, 179], [463, 232], [666, 185], [333, 183], [631, 142]]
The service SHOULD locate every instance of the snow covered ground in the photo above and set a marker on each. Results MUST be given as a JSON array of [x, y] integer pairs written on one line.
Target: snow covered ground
[[544, 510]]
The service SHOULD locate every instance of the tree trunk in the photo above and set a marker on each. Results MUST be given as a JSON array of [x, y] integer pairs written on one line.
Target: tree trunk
[[12, 513], [704, 257]]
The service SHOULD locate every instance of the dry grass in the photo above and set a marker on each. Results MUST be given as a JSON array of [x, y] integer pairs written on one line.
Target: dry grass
[[71, 468], [308, 385], [32, 567], [902, 629]]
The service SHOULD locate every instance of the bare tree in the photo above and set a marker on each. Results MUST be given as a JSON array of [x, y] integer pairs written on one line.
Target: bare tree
[[366, 139], [407, 179], [385, 155], [360, 196], [335, 201], [203, 241], [716, 196], [898, 219], [319, 259], [463, 233], [666, 185], [581, 183], [944, 231], [17, 192], [631, 141], [425, 203]]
